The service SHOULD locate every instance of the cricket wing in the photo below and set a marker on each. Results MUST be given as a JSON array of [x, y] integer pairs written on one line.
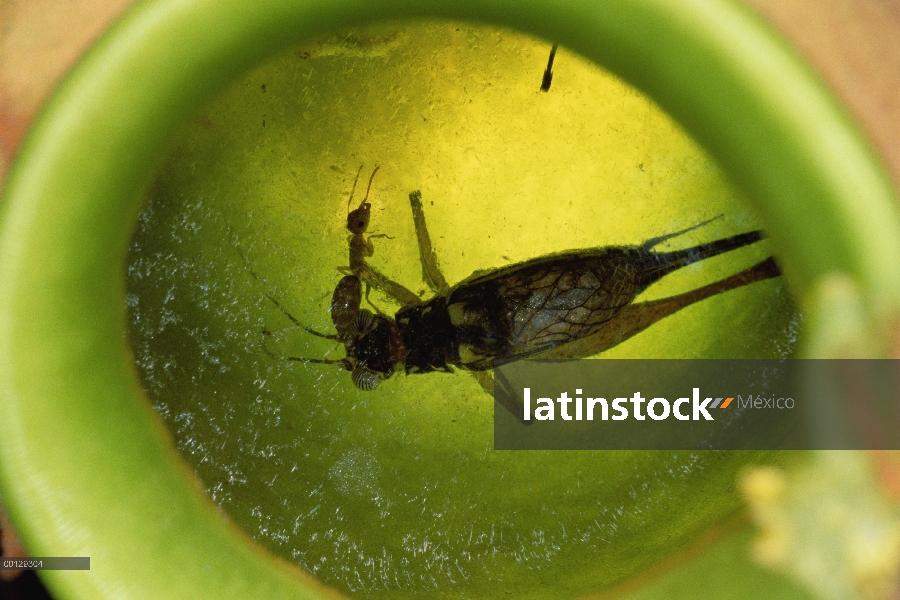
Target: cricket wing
[[533, 307]]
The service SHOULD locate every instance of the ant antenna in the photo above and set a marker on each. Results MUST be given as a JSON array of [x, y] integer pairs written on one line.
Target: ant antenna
[[353, 191], [371, 177]]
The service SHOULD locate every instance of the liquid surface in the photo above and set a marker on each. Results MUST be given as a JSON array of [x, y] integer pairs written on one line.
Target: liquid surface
[[397, 492]]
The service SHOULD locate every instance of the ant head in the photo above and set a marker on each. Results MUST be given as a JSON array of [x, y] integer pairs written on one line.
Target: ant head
[[358, 220]]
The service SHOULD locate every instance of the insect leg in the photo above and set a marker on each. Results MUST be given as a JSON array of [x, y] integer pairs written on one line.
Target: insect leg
[[431, 273], [379, 235], [391, 288], [377, 310], [635, 318], [487, 381]]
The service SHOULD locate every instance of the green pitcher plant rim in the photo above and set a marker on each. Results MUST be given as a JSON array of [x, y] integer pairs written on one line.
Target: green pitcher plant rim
[[86, 468]]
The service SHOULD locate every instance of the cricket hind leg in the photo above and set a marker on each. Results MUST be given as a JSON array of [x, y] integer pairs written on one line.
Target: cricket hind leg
[[431, 273], [485, 379], [637, 317]]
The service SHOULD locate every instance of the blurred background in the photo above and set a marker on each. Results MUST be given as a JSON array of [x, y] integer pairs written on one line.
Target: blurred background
[[851, 43]]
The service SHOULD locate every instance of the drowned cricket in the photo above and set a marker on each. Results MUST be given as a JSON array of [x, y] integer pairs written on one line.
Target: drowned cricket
[[567, 305]]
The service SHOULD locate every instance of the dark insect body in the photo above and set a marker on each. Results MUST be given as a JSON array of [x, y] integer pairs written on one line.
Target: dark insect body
[[566, 305], [548, 72], [531, 307]]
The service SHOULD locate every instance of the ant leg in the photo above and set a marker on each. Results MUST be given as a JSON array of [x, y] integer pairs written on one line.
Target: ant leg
[[377, 310], [390, 288], [431, 273], [368, 248], [372, 237]]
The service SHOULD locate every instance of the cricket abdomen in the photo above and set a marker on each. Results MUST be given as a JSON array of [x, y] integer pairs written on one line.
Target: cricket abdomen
[[532, 307]]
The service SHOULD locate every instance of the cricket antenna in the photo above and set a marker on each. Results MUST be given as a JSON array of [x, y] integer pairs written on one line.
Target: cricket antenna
[[274, 300], [295, 321]]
